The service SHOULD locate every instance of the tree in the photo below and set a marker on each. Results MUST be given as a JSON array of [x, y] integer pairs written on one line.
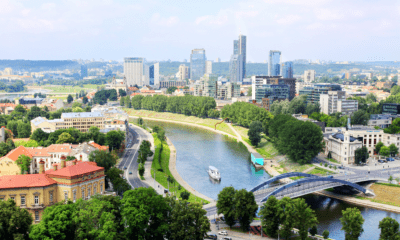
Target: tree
[[77, 109], [39, 135], [361, 155], [245, 208], [360, 117], [352, 222], [144, 151], [304, 217], [226, 205], [122, 92], [65, 138], [389, 229], [286, 213], [254, 132], [384, 151], [70, 98], [329, 155], [170, 90], [269, 216], [313, 230], [24, 130], [185, 195], [29, 143], [85, 100], [393, 149], [115, 138], [378, 147], [140, 121], [161, 135], [144, 213], [141, 169], [250, 91], [103, 159], [325, 234], [188, 221], [24, 162], [14, 221]]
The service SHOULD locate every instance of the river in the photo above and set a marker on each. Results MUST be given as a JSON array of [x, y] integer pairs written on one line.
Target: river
[[198, 148]]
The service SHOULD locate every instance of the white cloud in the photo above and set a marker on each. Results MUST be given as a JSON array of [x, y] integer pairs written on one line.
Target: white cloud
[[166, 22], [289, 19], [326, 14], [218, 20]]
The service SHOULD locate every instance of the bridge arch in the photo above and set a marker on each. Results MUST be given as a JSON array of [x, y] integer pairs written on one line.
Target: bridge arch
[[281, 176], [320, 179]]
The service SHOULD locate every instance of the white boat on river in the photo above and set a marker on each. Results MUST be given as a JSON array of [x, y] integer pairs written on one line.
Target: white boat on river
[[214, 173]]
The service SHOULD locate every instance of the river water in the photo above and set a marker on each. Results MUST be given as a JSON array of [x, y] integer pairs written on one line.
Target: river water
[[198, 148]]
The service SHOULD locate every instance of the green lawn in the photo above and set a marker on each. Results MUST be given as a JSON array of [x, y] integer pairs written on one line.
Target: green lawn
[[320, 171], [162, 171], [70, 89]]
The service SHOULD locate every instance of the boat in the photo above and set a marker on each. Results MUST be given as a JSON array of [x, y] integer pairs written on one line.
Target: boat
[[214, 173]]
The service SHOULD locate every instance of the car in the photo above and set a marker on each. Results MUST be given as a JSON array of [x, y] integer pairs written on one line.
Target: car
[[341, 167], [125, 168], [166, 191], [130, 173], [390, 159], [381, 161], [227, 238], [223, 233], [330, 176], [211, 236]]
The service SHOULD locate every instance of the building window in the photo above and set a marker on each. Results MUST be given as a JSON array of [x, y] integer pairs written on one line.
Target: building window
[[88, 193], [36, 200], [66, 196], [95, 189], [12, 198], [101, 188], [51, 196], [83, 194], [36, 215], [22, 200], [74, 196]]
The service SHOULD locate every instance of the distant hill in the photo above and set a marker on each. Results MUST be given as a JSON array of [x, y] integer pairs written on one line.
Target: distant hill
[[37, 65]]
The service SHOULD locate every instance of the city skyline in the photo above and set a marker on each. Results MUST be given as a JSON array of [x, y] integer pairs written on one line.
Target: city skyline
[[156, 30]]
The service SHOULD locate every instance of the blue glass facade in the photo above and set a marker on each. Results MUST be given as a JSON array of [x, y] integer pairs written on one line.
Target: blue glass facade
[[274, 68], [235, 47], [287, 70], [314, 92], [84, 72], [197, 64]]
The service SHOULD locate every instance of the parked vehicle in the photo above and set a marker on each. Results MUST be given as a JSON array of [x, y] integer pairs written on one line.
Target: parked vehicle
[[330, 176], [125, 168], [223, 233], [227, 238], [390, 159], [211, 236], [381, 161], [130, 173], [341, 167]]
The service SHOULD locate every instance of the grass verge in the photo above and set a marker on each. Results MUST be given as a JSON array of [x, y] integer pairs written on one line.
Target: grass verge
[[160, 165], [320, 171]]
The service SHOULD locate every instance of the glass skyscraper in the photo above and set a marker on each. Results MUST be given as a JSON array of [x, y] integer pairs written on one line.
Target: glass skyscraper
[[236, 68], [287, 70], [242, 51], [197, 64], [274, 68]]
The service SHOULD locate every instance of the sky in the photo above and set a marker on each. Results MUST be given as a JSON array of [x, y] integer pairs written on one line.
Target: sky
[[351, 30]]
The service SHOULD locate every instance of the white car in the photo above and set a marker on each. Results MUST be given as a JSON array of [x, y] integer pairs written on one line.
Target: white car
[[223, 233], [227, 238]]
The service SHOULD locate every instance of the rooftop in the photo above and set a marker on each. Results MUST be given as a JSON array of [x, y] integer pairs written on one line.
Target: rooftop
[[81, 115], [27, 180], [341, 137], [75, 170]]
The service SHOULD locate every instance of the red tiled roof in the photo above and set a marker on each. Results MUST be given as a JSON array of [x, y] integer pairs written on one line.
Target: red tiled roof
[[74, 170], [59, 148], [23, 181], [39, 152], [15, 153], [98, 146]]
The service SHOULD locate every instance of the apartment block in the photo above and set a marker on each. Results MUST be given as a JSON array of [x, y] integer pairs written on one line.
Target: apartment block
[[309, 76]]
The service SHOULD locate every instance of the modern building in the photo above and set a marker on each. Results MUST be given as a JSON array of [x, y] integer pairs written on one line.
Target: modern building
[[210, 85], [391, 108], [239, 47], [236, 68], [136, 71], [84, 71], [79, 120], [309, 76], [172, 83], [274, 67], [381, 120], [329, 101], [281, 88], [313, 93], [183, 72], [208, 67], [347, 107], [218, 60], [154, 74], [67, 180], [228, 91], [197, 64], [287, 69]]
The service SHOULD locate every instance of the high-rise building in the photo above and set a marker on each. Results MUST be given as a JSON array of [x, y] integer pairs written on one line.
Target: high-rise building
[[136, 71], [154, 74], [313, 93], [208, 67], [274, 68], [236, 68], [218, 60], [8, 71], [197, 64], [84, 72], [210, 85], [309, 76], [183, 72], [242, 51], [235, 46], [287, 70], [335, 101]]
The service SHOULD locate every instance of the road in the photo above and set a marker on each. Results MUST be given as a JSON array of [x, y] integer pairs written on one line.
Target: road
[[129, 159]]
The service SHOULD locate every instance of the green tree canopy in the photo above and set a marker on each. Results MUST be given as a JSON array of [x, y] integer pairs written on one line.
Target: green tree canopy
[[14, 221], [378, 147], [114, 139], [361, 155], [70, 98], [24, 163], [226, 205], [65, 138], [389, 229], [384, 151], [352, 222], [254, 132], [269, 216], [245, 208]]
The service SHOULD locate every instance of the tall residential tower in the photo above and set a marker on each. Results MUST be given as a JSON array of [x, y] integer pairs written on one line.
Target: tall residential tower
[[136, 71], [274, 68], [287, 70], [197, 63]]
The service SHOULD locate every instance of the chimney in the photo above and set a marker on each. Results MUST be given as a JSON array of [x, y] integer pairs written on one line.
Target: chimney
[[80, 157], [62, 163], [74, 162], [55, 167], [41, 166]]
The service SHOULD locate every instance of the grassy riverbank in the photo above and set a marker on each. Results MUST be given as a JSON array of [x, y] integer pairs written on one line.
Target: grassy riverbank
[[385, 193], [160, 167]]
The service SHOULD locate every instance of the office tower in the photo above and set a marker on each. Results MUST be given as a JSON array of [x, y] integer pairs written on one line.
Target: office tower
[[287, 70], [84, 72], [210, 85], [208, 67], [242, 51], [309, 76], [154, 74], [218, 60], [274, 63], [197, 64], [136, 71], [235, 46], [313, 93], [236, 68], [183, 72]]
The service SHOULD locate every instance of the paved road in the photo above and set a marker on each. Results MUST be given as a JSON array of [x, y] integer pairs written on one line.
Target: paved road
[[129, 159]]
